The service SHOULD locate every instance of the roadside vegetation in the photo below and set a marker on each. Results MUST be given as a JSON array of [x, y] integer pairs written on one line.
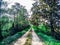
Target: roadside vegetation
[[45, 20], [45, 36]]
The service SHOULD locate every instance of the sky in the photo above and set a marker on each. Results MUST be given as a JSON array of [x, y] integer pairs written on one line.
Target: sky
[[26, 3]]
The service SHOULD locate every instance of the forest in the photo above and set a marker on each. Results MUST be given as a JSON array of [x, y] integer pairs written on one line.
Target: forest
[[43, 26]]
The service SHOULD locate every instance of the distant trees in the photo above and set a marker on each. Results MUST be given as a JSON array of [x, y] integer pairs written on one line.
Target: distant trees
[[20, 15], [2, 12], [12, 20], [35, 15]]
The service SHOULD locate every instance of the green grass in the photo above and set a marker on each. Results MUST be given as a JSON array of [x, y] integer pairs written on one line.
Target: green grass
[[49, 40], [44, 29]]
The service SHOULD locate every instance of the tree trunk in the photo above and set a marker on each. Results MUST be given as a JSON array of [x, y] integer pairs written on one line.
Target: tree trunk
[[51, 23]]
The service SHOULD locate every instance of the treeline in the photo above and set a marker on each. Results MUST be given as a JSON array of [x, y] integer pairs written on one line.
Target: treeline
[[12, 20], [46, 15]]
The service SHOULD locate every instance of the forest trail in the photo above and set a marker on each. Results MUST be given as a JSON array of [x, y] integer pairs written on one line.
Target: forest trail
[[29, 38], [22, 40]]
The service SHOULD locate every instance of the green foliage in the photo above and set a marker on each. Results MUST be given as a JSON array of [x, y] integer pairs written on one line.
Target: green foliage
[[49, 40], [15, 19], [6, 29], [20, 14], [34, 27], [46, 11], [4, 20], [7, 26], [42, 27], [10, 39]]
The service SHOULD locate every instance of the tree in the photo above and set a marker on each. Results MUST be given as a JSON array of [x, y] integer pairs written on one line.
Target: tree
[[20, 17], [52, 13], [20, 14], [48, 12], [35, 15], [2, 12]]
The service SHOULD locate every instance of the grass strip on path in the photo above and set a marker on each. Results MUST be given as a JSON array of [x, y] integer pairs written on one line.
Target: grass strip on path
[[29, 39]]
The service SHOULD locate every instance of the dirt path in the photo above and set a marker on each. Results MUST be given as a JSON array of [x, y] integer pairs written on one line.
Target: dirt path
[[29, 38], [22, 40], [35, 39]]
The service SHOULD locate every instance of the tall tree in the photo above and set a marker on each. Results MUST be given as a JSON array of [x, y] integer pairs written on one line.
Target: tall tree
[[3, 8], [47, 10], [52, 12]]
